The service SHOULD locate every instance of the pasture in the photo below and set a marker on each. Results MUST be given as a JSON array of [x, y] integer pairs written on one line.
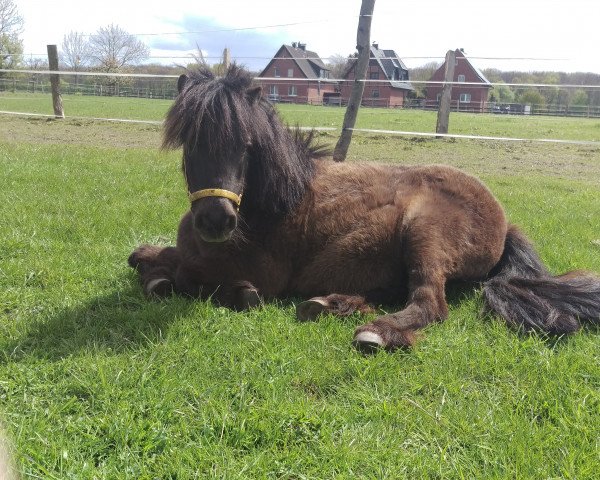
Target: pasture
[[96, 381]]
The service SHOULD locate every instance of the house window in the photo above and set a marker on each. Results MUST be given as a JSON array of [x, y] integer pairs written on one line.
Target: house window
[[465, 98], [461, 78], [276, 72], [374, 75], [290, 72], [292, 91], [375, 93], [273, 91]]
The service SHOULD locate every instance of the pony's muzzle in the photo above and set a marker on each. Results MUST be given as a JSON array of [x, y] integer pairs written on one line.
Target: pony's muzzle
[[215, 219]]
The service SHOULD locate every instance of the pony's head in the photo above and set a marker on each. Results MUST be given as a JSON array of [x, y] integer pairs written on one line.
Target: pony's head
[[238, 158], [211, 119]]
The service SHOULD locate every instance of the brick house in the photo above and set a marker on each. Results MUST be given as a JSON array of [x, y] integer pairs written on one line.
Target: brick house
[[296, 62], [472, 98], [383, 65]]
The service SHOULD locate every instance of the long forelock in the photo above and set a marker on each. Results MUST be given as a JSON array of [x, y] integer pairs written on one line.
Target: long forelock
[[210, 110]]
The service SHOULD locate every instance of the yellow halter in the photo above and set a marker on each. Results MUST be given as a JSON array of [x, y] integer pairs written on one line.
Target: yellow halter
[[216, 192]]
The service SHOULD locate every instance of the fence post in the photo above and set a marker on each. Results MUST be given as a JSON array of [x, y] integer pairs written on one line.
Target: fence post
[[443, 117], [363, 45], [226, 59], [55, 81]]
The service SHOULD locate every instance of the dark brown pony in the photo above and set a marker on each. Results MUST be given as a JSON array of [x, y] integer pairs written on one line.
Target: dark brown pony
[[271, 218]]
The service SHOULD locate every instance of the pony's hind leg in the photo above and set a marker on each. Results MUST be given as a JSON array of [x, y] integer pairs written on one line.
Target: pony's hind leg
[[156, 267], [340, 305], [426, 304]]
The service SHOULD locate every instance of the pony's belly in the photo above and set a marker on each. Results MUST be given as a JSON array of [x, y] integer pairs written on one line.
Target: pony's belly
[[347, 282], [335, 270]]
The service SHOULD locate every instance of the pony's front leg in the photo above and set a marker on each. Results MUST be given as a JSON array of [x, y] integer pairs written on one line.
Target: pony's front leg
[[426, 304], [240, 295], [335, 304], [156, 267]]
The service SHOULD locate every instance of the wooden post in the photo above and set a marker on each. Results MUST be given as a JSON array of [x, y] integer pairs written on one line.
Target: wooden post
[[55, 82], [363, 45], [443, 117], [226, 59]]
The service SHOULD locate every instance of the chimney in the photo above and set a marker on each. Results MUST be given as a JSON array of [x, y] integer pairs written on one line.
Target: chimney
[[376, 45], [294, 44], [302, 46]]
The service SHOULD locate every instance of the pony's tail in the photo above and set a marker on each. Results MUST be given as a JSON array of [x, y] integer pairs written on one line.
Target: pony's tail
[[525, 294]]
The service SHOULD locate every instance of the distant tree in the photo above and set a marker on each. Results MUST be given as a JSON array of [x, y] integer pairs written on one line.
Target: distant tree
[[532, 97], [111, 49], [579, 98], [11, 22], [423, 74], [11, 51], [74, 51], [11, 26], [501, 94], [493, 75], [338, 64], [36, 63]]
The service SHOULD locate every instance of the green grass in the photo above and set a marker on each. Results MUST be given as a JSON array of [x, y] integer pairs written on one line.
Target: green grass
[[531, 127], [98, 382]]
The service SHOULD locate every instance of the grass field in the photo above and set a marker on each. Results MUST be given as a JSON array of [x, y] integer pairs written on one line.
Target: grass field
[[313, 116], [98, 382]]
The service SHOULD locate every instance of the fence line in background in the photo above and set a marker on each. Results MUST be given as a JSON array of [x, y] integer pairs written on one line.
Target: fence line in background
[[335, 129], [295, 80]]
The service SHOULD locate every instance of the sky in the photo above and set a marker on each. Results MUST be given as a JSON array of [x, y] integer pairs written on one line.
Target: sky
[[525, 35]]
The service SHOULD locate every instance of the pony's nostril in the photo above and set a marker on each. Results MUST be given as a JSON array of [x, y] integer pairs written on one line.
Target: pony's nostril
[[231, 222], [199, 222]]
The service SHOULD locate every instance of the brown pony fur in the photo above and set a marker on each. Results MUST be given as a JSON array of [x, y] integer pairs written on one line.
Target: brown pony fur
[[345, 233]]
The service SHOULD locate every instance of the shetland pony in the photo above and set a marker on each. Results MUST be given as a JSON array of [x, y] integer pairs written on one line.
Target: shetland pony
[[271, 217]]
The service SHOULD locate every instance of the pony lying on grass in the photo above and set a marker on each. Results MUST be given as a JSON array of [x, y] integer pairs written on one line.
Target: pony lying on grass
[[270, 217]]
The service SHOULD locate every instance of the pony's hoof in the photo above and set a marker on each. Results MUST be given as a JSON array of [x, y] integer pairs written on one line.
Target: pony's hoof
[[248, 298], [368, 342], [310, 309], [159, 287]]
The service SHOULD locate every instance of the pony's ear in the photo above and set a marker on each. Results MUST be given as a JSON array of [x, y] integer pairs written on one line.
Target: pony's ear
[[181, 81], [254, 94]]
